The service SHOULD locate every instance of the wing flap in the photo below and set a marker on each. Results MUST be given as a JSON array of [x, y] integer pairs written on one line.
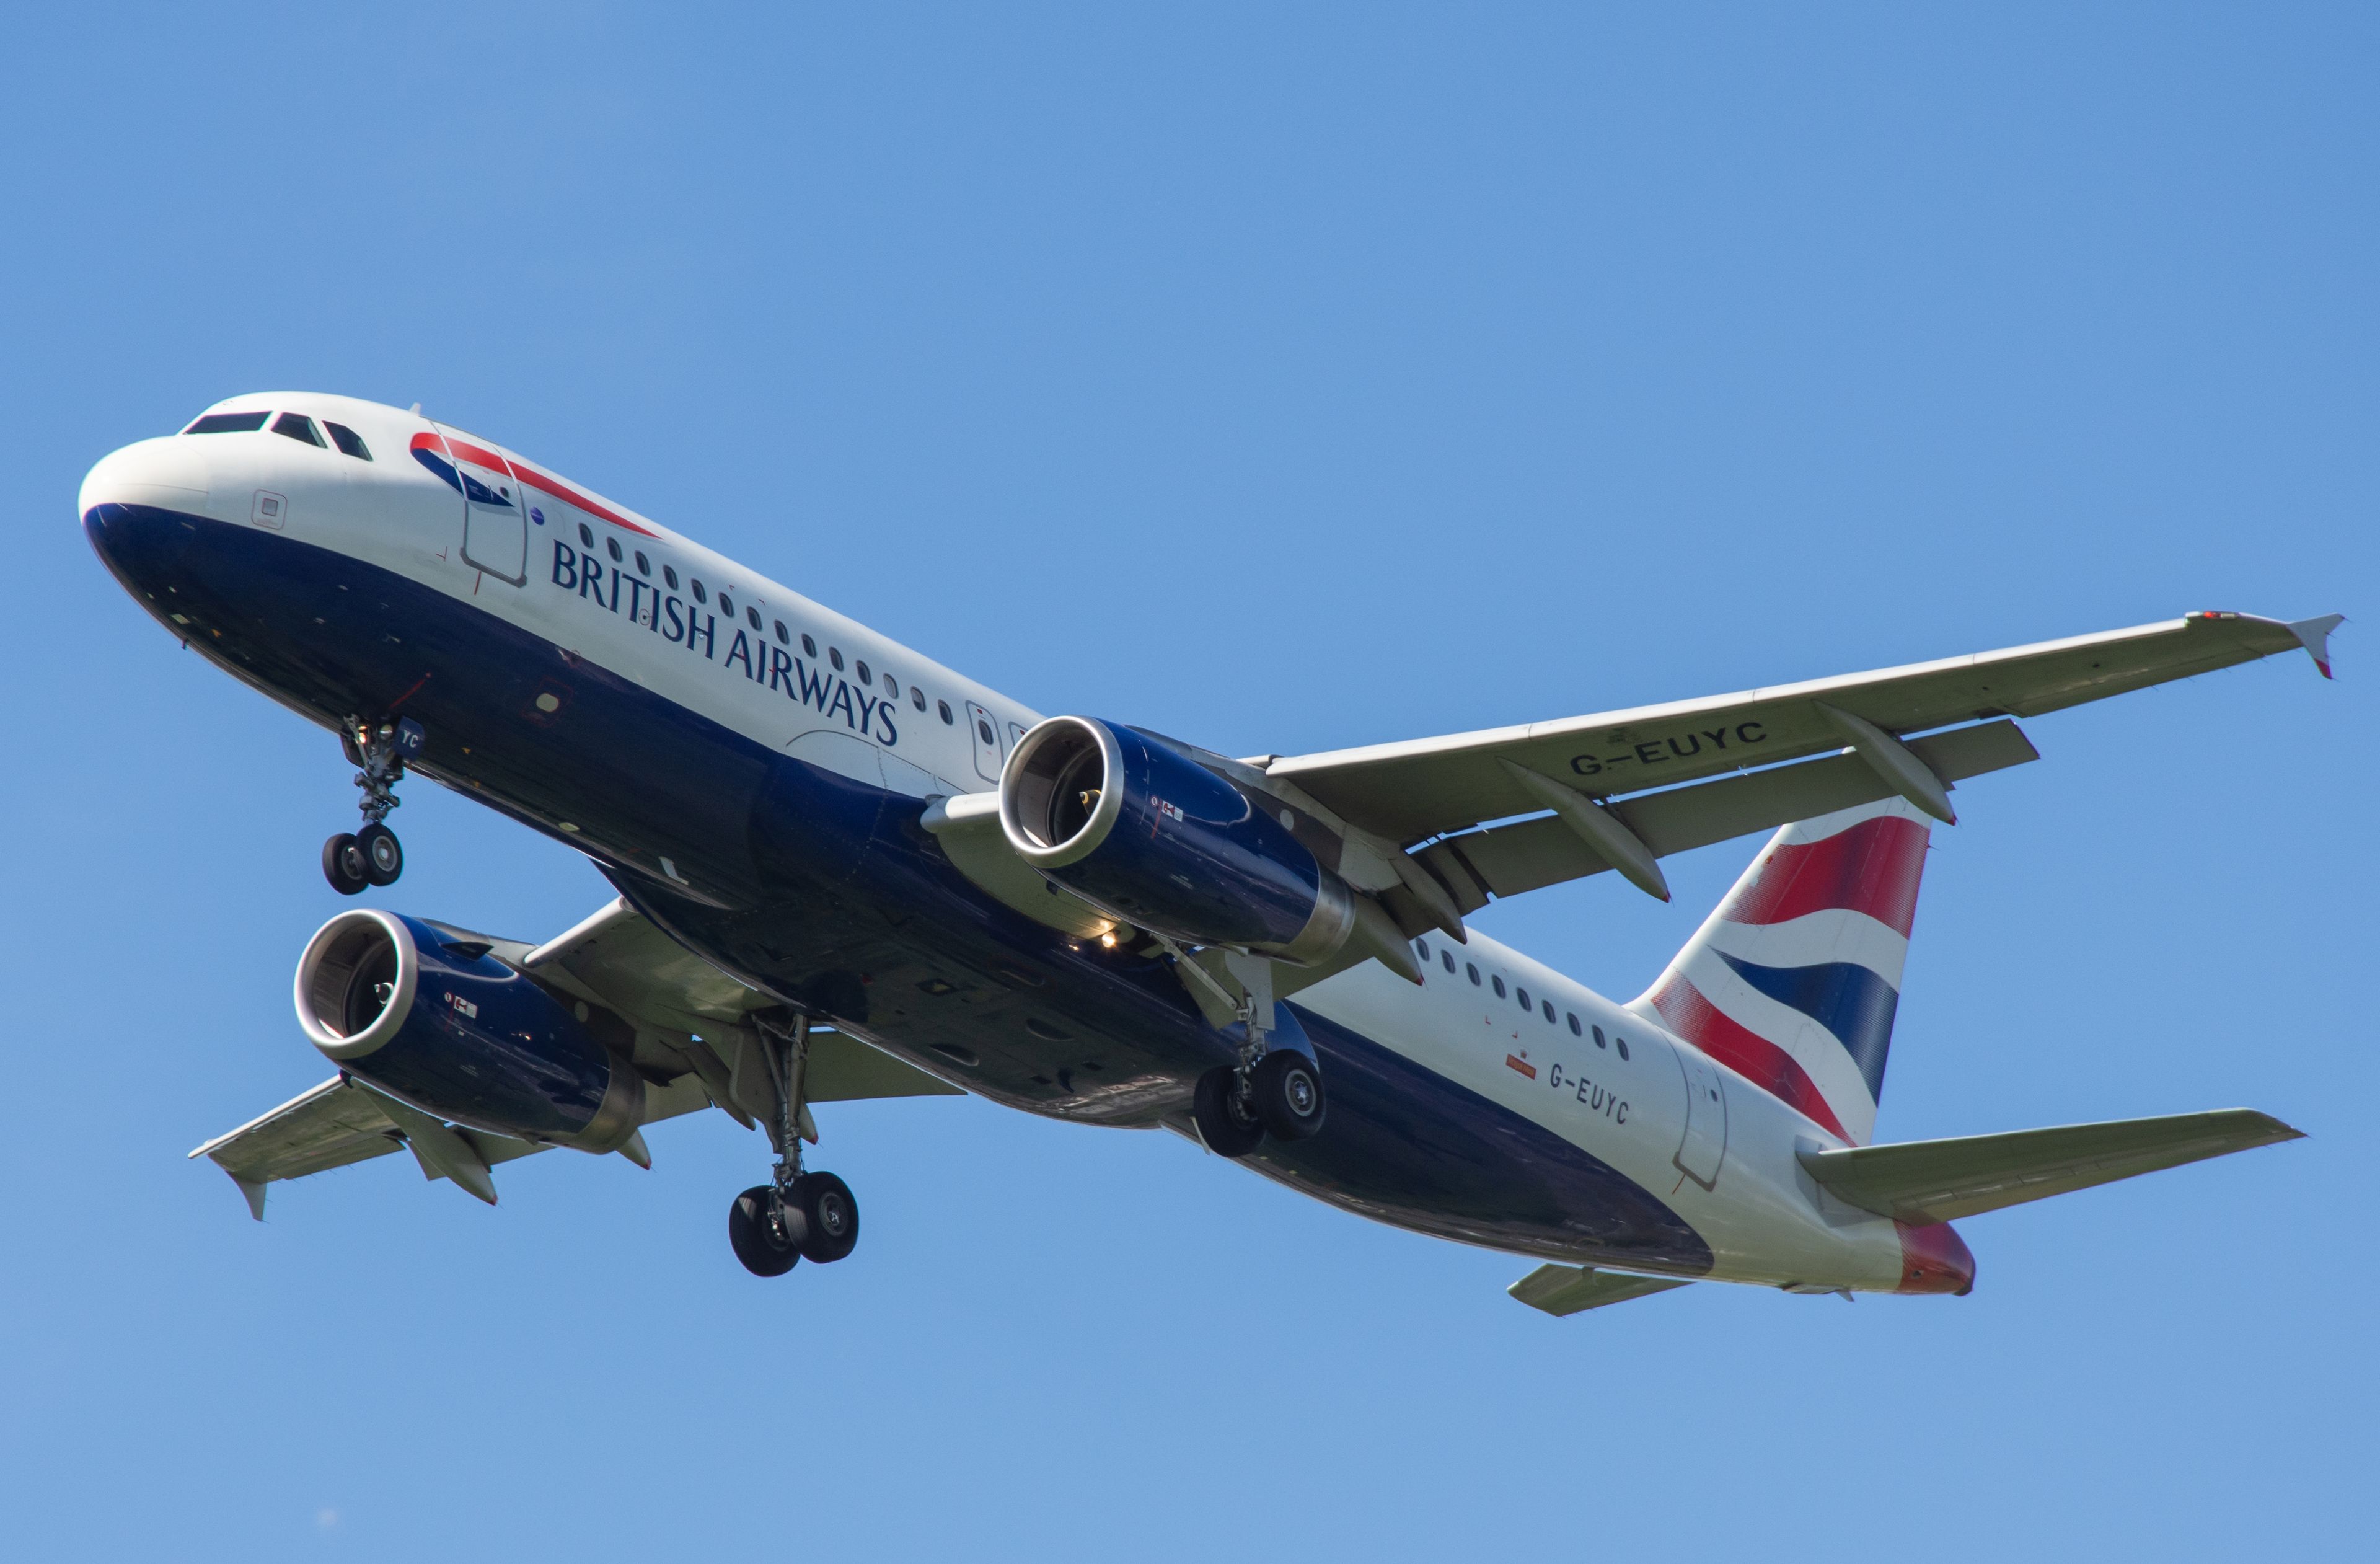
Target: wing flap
[[1936, 1180], [1420, 788], [1508, 860]]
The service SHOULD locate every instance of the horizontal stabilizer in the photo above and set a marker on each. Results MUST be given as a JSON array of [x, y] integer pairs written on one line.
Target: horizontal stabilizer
[[1572, 1290], [1935, 1181]]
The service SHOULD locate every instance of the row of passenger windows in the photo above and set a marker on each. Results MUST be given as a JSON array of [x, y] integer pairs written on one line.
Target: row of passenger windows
[[864, 675], [1544, 1007], [297, 426]]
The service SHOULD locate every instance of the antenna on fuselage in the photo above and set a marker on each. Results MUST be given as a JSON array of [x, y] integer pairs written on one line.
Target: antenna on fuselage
[[415, 409]]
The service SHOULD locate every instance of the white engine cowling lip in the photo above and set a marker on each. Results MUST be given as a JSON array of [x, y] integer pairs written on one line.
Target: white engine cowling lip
[[1085, 841], [335, 1045]]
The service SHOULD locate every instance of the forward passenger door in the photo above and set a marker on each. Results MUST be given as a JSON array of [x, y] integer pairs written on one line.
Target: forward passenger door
[[495, 518]]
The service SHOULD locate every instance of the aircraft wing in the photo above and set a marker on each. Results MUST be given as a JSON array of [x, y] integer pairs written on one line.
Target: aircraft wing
[[338, 1122], [679, 1020], [1935, 1181], [1717, 760]]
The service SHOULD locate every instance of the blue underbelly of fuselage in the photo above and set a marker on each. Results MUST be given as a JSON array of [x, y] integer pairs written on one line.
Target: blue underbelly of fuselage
[[828, 893]]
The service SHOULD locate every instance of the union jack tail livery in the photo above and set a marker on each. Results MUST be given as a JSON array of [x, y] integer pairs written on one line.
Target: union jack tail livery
[[1793, 982]]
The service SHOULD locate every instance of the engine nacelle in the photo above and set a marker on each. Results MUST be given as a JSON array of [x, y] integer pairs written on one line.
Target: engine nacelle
[[458, 1033], [1128, 821]]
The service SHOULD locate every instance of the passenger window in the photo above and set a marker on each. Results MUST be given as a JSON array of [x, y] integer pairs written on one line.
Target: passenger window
[[612, 546], [644, 566], [1524, 1000], [700, 595], [1598, 1037], [1473, 968], [984, 729], [1547, 1005], [1622, 1044], [1498, 983], [916, 697], [834, 655], [229, 423], [865, 677], [1573, 1024], [727, 605], [891, 686], [945, 708], [586, 535], [751, 616], [348, 441], [1423, 947], [1446, 958], [809, 646], [669, 574], [783, 639], [297, 426]]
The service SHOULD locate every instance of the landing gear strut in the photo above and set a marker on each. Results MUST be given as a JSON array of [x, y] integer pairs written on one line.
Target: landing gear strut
[[372, 855], [798, 1215], [1270, 1091]]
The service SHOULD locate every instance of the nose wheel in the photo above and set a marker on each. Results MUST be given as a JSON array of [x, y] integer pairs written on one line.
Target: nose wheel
[[372, 856], [798, 1215]]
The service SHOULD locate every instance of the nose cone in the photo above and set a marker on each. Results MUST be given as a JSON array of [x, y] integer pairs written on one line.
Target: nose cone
[[1934, 1259], [170, 473]]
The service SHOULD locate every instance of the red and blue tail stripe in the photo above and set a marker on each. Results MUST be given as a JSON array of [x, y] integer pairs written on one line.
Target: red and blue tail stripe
[[1794, 980]]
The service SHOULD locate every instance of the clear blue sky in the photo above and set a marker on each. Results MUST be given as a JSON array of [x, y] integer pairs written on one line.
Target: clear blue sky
[[1284, 377]]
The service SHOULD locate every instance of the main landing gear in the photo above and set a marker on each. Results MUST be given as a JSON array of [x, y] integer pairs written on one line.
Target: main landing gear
[[372, 855], [798, 1215], [1275, 1092]]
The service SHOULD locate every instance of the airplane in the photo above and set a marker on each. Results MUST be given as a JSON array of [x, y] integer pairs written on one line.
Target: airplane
[[843, 870]]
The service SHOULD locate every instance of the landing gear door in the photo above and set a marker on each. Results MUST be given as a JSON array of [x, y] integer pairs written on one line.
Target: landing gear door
[[986, 737], [1704, 1145], [495, 523]]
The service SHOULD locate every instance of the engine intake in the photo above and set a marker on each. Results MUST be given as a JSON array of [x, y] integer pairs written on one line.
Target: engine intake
[[452, 1031], [1126, 820]]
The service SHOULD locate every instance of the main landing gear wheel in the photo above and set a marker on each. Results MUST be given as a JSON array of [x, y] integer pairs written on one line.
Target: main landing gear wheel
[[756, 1228], [1225, 1121], [1287, 1093], [345, 865], [830, 1215], [800, 1216]]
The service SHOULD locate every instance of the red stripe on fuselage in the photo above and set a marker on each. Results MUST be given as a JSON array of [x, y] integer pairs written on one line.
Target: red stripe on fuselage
[[1872, 867], [528, 476], [1747, 1054]]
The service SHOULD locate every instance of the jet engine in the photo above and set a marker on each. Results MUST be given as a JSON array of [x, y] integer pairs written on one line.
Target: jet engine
[[437, 1022], [1128, 821]]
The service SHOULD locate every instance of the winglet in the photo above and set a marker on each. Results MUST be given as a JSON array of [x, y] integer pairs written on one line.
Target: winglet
[[2315, 635], [253, 1189]]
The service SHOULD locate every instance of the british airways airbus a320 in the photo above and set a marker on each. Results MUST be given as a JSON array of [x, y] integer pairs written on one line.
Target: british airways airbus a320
[[846, 870]]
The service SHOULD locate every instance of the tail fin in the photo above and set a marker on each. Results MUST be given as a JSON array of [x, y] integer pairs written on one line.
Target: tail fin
[[1793, 980]]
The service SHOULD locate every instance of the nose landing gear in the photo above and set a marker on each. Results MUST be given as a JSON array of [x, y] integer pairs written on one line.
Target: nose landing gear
[[798, 1215], [372, 855]]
